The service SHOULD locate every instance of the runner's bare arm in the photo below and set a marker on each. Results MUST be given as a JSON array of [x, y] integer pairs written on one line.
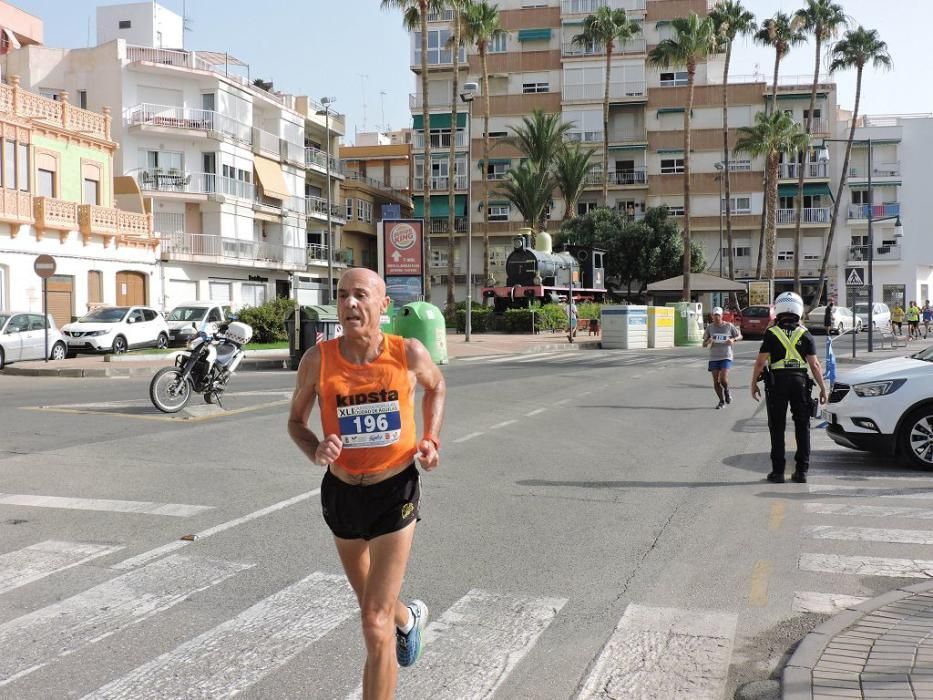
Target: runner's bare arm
[[318, 451], [431, 380]]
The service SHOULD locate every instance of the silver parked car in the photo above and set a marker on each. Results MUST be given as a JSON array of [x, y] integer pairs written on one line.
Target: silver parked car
[[843, 320], [22, 337]]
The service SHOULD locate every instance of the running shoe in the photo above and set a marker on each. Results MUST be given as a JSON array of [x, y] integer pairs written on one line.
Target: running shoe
[[720, 405], [776, 478], [727, 395], [799, 477], [408, 647]]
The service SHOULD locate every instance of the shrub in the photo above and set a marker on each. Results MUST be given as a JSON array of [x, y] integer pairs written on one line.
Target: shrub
[[480, 319], [553, 317], [268, 320]]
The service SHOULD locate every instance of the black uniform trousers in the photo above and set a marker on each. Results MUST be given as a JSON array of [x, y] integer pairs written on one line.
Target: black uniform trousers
[[789, 387]]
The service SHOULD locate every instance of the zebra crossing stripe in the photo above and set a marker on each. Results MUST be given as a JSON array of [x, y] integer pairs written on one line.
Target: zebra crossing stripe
[[648, 652], [551, 356], [869, 511], [824, 603], [870, 492], [521, 357], [868, 534], [177, 510], [275, 630], [99, 612], [857, 475], [44, 559], [866, 566], [474, 646]]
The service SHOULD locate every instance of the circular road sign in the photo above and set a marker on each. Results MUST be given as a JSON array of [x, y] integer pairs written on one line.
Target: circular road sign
[[44, 266]]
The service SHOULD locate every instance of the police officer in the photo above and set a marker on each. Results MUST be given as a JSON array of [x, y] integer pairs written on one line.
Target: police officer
[[788, 349]]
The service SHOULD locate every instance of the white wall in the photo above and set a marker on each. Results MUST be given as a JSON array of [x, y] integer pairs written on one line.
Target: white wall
[[150, 25]]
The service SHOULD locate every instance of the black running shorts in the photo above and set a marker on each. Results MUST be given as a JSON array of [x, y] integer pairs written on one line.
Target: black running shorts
[[355, 512]]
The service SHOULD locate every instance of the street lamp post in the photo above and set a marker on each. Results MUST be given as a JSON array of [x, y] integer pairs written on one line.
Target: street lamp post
[[327, 102], [469, 92], [721, 177]]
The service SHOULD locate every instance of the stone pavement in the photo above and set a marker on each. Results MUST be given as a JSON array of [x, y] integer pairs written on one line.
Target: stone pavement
[[882, 648]]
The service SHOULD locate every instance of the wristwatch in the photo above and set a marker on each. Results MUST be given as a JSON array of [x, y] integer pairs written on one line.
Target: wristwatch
[[434, 440]]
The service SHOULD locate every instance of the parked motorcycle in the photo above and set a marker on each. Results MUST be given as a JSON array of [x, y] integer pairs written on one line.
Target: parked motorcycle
[[204, 368]]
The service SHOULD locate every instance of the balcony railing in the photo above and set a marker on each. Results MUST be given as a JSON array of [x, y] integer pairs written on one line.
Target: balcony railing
[[372, 182], [637, 45], [22, 103], [167, 222], [588, 7], [809, 215], [316, 158], [585, 136], [317, 206], [878, 211], [265, 143], [442, 183], [184, 246], [439, 140], [206, 120], [442, 226], [107, 221], [791, 171], [415, 101], [859, 253], [635, 176], [625, 135], [820, 125], [58, 214], [16, 207], [597, 91], [877, 170], [194, 183]]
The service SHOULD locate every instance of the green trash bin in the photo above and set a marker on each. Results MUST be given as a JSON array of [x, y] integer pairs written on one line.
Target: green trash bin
[[424, 321], [387, 320], [688, 323], [316, 322]]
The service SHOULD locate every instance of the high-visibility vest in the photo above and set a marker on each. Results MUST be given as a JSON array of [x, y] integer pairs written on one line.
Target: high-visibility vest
[[792, 359]]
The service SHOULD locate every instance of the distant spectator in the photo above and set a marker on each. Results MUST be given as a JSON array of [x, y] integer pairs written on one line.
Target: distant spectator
[[828, 317]]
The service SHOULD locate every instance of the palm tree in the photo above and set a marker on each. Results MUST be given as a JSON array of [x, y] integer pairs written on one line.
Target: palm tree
[[780, 33], [540, 138], [570, 171], [530, 188], [415, 17], [823, 19], [695, 39], [457, 24], [605, 28], [770, 136], [858, 48], [481, 26], [730, 19]]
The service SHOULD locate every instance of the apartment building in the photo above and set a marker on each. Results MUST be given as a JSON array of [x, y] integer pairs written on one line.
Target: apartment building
[[236, 172], [900, 151], [377, 185], [535, 65]]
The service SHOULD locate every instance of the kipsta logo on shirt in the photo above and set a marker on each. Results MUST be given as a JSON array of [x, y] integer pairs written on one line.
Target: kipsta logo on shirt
[[371, 397]]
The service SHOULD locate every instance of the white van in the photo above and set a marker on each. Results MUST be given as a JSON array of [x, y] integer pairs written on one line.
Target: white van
[[186, 320]]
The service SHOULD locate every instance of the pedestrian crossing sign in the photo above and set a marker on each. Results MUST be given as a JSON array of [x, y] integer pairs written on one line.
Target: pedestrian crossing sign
[[855, 276]]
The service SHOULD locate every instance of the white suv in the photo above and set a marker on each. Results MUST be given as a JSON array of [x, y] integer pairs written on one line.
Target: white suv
[[185, 320], [116, 329], [886, 407]]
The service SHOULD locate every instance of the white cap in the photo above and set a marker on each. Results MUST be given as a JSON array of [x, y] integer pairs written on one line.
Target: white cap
[[717, 310]]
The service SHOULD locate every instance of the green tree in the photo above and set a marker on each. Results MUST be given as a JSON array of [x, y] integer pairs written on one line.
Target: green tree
[[481, 26], [570, 170], [457, 27], [858, 48], [539, 137], [823, 19], [770, 136], [415, 17], [529, 188], [694, 39], [605, 29], [730, 20]]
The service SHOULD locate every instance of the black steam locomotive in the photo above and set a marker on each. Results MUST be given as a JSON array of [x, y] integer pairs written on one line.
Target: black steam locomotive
[[545, 276]]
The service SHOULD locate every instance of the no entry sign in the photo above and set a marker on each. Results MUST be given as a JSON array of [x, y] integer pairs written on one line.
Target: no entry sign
[[44, 266]]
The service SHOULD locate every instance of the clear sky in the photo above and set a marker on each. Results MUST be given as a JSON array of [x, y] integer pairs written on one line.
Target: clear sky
[[355, 52]]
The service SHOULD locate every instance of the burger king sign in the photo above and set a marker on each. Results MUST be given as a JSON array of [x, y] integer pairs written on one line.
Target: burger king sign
[[403, 248]]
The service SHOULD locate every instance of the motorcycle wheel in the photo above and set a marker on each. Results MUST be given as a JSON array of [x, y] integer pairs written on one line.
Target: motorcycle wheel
[[168, 391]]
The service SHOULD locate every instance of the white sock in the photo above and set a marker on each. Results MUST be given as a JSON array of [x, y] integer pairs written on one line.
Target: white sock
[[408, 626]]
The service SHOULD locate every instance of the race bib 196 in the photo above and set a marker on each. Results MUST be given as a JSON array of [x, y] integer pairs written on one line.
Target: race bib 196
[[370, 424]]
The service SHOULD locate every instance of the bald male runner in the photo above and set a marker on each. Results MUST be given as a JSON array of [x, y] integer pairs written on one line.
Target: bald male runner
[[364, 385]]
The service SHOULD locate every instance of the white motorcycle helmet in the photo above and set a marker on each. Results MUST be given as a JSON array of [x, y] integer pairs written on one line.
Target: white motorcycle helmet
[[788, 303], [239, 333]]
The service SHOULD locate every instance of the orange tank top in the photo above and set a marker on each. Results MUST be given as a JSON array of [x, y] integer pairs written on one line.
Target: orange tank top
[[370, 407]]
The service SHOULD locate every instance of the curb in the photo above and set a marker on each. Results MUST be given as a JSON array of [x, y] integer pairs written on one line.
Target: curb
[[111, 371], [154, 357], [797, 675]]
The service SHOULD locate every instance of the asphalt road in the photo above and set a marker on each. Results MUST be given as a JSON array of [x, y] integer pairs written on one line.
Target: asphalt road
[[596, 529]]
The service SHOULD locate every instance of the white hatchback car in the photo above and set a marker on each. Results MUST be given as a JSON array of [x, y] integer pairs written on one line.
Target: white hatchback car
[[880, 315], [886, 407], [22, 337], [116, 329]]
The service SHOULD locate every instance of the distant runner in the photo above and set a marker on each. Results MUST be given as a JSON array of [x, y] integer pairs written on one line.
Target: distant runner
[[719, 337]]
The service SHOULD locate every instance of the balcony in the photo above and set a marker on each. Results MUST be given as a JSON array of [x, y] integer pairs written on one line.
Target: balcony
[[883, 253], [791, 171], [266, 144], [177, 182], [877, 170], [442, 226], [632, 46], [126, 226], [439, 141], [809, 215], [147, 115], [55, 214], [317, 255], [317, 207], [442, 184], [637, 176], [635, 90], [16, 208], [316, 159], [196, 247], [437, 57], [415, 102], [630, 135], [28, 105], [585, 136], [378, 185], [588, 7], [878, 211]]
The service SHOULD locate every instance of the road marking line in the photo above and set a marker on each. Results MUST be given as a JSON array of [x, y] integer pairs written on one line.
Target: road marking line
[[636, 376], [469, 436], [868, 511], [758, 591], [823, 603], [646, 653], [535, 412], [223, 413], [477, 358], [865, 492], [274, 630], [145, 557], [502, 424], [524, 357], [46, 558], [867, 534], [865, 566], [99, 612], [776, 518], [856, 475], [504, 627], [177, 510], [561, 402]]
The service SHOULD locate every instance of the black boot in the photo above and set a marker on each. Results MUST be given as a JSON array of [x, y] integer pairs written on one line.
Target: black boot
[[799, 477], [776, 477]]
